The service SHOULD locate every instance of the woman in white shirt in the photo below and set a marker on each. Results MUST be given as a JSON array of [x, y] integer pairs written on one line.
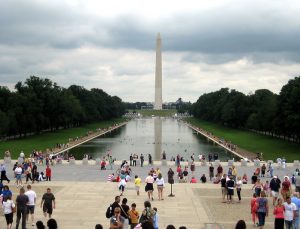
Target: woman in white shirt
[[160, 186], [8, 205], [239, 184]]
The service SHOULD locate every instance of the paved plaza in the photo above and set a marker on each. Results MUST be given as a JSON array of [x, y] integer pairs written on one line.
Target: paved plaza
[[83, 195]]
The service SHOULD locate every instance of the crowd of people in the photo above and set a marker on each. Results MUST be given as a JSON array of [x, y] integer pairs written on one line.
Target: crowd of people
[[285, 198], [25, 206]]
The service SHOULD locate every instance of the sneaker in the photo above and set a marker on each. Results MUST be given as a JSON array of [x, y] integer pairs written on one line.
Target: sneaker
[[33, 224]]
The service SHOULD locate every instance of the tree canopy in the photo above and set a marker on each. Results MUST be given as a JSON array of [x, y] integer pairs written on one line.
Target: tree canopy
[[263, 111], [39, 104]]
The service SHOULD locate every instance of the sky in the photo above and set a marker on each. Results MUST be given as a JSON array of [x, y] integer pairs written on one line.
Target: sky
[[206, 45]]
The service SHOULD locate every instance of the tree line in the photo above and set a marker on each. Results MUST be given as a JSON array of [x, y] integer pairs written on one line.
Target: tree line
[[263, 111], [39, 104]]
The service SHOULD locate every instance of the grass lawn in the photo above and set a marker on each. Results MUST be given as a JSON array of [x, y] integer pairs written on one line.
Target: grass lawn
[[272, 148], [49, 140], [161, 113]]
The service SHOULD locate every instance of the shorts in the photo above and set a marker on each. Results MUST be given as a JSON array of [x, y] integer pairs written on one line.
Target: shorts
[[121, 188], [149, 187], [137, 188], [47, 209], [9, 218], [160, 187], [224, 191], [230, 192], [19, 176], [30, 209], [275, 194], [285, 194]]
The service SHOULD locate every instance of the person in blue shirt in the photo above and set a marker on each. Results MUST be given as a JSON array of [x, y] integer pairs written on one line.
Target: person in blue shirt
[[6, 192], [295, 199]]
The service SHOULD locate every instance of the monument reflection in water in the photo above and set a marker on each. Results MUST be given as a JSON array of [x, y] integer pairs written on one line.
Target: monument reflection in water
[[150, 136]]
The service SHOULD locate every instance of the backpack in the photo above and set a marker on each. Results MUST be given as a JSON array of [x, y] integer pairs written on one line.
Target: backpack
[[109, 212]]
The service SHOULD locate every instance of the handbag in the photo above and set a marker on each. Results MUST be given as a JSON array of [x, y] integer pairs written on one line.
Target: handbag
[[13, 209]]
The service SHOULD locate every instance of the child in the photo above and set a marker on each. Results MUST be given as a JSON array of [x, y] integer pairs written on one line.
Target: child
[[155, 219], [253, 209], [137, 182], [134, 216]]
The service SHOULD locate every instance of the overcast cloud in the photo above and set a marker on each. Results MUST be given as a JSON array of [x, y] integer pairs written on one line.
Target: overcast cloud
[[244, 45]]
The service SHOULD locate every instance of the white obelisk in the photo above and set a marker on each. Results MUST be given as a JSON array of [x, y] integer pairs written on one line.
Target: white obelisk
[[158, 76]]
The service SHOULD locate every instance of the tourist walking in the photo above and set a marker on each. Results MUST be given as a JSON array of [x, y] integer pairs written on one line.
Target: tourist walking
[[6, 192], [111, 162], [286, 189], [34, 172], [223, 187], [137, 182], [279, 215], [220, 170], [275, 186], [211, 171], [295, 199], [262, 209], [239, 184], [263, 170], [122, 183], [253, 209], [21, 202], [28, 173], [149, 186], [134, 216], [18, 173], [150, 159], [230, 189], [135, 157], [117, 221], [258, 187], [8, 206], [193, 167], [3, 174], [289, 213], [48, 203], [160, 186], [142, 160], [48, 173], [31, 203], [130, 159], [124, 212], [147, 215]]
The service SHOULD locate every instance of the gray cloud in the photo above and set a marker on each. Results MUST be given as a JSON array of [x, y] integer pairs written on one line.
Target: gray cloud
[[239, 45]]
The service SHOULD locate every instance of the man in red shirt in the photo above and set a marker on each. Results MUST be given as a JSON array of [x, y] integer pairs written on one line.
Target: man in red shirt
[[286, 188]]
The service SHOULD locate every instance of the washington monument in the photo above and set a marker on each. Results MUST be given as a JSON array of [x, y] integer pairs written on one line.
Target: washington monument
[[158, 75]]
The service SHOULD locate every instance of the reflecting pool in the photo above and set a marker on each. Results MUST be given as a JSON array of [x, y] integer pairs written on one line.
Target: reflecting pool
[[151, 136]]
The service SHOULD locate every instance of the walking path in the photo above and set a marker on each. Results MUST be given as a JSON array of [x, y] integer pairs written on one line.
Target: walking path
[[238, 152], [87, 138], [83, 195]]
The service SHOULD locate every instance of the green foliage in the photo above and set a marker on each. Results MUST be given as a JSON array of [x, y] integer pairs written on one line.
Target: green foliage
[[263, 111], [161, 113], [39, 105], [49, 140], [272, 148]]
